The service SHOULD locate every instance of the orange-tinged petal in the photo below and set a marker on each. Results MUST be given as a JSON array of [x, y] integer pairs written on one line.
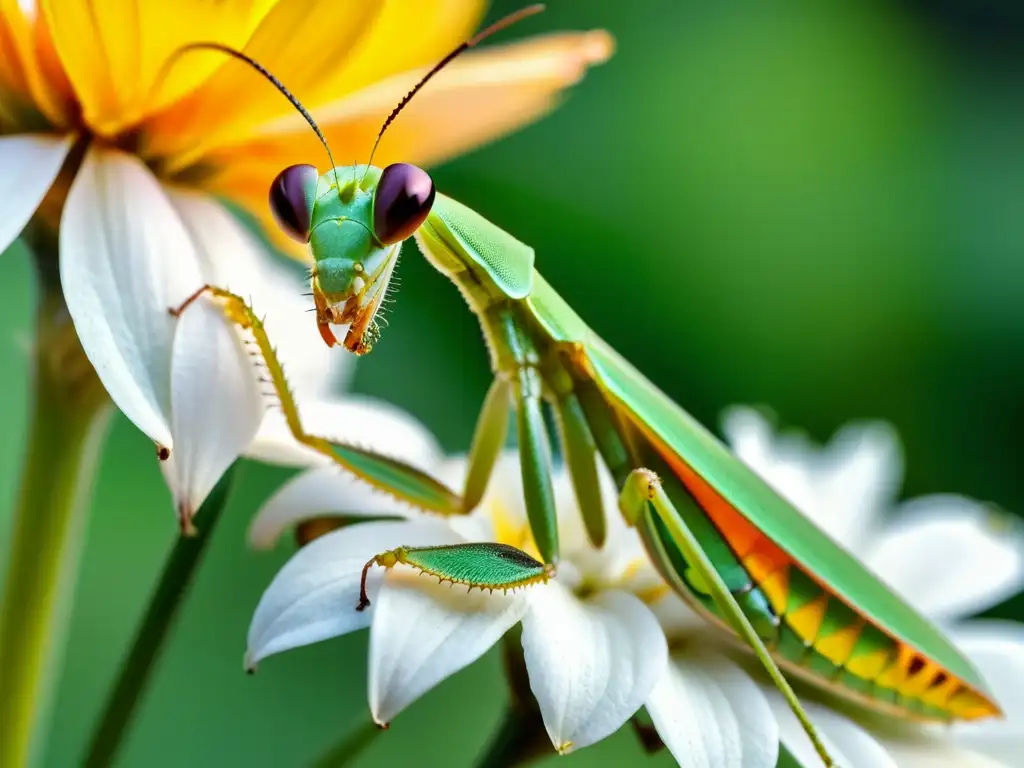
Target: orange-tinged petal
[[32, 53], [479, 98], [11, 76], [300, 41], [113, 50]]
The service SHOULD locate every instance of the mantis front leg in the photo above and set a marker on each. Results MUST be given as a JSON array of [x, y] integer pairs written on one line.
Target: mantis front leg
[[643, 493], [403, 481]]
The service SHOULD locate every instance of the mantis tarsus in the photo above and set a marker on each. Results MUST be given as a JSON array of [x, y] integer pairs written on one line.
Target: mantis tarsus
[[720, 536]]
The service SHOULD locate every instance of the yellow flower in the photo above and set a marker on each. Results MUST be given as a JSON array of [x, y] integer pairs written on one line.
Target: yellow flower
[[133, 168]]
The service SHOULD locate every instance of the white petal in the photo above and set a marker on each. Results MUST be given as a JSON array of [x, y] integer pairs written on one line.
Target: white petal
[[363, 421], [591, 665], [503, 501], [846, 742], [232, 258], [996, 648], [424, 632], [216, 404], [314, 596], [324, 491], [621, 542], [125, 259], [949, 556], [783, 461], [857, 477], [30, 163], [677, 619], [711, 715], [938, 754]]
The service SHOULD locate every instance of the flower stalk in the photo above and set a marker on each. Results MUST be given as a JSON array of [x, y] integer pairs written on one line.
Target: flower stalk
[[350, 747], [170, 594], [520, 738], [67, 424], [510, 744]]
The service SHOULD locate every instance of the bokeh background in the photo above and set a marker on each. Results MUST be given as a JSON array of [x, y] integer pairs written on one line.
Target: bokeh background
[[813, 205]]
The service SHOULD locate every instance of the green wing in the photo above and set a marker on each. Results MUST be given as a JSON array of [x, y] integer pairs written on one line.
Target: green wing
[[745, 490], [781, 522]]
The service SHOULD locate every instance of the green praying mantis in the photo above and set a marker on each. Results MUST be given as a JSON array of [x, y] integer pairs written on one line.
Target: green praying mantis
[[720, 536]]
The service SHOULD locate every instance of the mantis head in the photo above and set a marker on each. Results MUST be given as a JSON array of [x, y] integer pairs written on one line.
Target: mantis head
[[355, 220]]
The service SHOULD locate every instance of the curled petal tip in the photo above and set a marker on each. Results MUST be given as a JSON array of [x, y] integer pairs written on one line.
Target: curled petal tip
[[163, 452], [382, 726], [248, 664], [583, 51], [598, 46]]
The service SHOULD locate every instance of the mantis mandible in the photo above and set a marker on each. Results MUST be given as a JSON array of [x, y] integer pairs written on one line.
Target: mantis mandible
[[731, 546]]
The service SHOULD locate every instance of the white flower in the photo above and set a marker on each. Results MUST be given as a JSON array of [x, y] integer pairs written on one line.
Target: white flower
[[948, 556], [133, 167], [594, 651], [133, 250]]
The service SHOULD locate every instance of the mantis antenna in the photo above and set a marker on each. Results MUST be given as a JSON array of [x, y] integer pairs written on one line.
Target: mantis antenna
[[263, 71], [507, 21]]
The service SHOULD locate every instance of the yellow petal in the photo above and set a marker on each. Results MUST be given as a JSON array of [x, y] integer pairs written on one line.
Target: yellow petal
[[43, 81], [477, 99], [407, 34], [113, 50], [300, 41]]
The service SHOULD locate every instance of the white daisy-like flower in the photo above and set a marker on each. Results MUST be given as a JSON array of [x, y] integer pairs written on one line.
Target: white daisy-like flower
[[949, 556], [708, 710], [133, 168], [593, 649]]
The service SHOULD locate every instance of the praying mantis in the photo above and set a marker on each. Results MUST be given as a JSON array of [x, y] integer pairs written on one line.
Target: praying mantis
[[720, 536]]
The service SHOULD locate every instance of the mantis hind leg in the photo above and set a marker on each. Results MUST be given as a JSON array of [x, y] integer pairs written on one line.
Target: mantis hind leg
[[643, 494], [401, 480]]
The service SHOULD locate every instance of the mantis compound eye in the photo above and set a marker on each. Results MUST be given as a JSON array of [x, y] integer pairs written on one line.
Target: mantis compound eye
[[401, 202], [292, 194]]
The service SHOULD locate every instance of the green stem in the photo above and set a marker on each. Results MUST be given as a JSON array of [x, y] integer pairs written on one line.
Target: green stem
[[349, 747], [520, 739], [514, 742], [66, 428], [136, 670]]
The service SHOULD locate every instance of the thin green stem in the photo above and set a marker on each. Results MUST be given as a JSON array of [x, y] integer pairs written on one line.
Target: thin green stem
[[520, 739], [513, 742], [350, 747], [177, 576], [66, 428]]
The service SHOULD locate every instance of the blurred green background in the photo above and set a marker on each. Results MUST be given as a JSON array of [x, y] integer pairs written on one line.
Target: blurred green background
[[817, 206]]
